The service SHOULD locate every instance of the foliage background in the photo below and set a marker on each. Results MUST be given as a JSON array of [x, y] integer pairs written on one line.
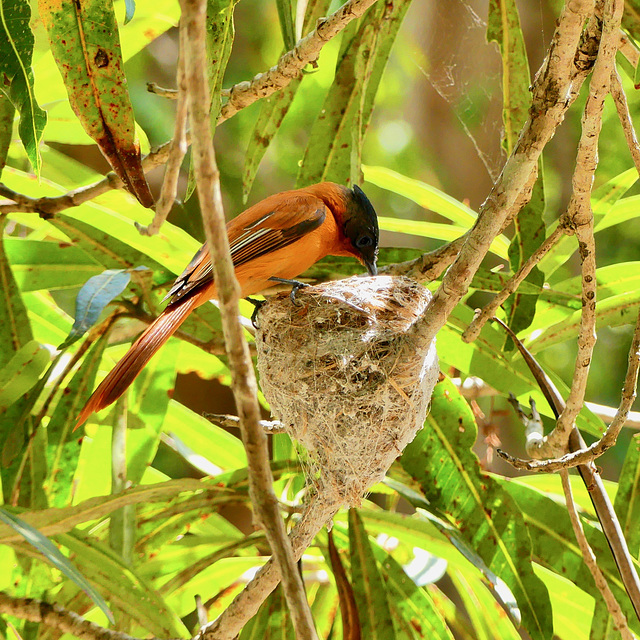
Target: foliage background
[[437, 119]]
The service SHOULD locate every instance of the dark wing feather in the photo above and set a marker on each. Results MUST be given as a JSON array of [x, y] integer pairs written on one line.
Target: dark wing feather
[[286, 222]]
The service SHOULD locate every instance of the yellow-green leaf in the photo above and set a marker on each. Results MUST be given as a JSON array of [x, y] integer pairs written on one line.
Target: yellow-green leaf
[[85, 43]]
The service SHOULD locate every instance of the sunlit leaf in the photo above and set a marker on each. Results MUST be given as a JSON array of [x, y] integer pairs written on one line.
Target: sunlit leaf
[[274, 108], [555, 546], [485, 516], [63, 446], [335, 142], [51, 552], [84, 40], [7, 111], [21, 372], [16, 50], [38, 264], [368, 587]]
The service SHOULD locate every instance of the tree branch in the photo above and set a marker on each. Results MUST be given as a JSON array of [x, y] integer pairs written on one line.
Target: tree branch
[[58, 618], [591, 561], [228, 291]]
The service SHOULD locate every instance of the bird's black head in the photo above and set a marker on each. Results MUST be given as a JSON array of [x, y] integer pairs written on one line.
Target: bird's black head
[[361, 228]]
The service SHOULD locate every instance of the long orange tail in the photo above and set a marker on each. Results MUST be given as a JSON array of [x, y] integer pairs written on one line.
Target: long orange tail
[[141, 351]]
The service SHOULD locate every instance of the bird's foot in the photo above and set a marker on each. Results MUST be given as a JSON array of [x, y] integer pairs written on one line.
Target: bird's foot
[[258, 304], [296, 285]]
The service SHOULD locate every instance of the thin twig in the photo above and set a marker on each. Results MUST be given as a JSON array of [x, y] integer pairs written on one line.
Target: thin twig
[[177, 151], [58, 618], [473, 330], [292, 63], [170, 94], [590, 476], [243, 377], [620, 100], [227, 421], [580, 216], [619, 619]]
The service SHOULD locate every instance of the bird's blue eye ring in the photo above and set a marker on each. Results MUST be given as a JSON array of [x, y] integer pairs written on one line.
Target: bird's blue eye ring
[[364, 241]]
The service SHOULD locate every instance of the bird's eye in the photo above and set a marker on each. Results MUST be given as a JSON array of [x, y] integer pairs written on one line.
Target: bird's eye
[[364, 241]]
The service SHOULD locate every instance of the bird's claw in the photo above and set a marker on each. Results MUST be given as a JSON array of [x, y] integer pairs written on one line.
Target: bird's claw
[[296, 285], [257, 304]]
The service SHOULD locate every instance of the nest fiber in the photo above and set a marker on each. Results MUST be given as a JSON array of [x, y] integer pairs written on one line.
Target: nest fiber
[[349, 372]]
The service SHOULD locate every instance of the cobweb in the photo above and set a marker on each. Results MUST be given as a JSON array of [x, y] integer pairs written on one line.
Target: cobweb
[[465, 71]]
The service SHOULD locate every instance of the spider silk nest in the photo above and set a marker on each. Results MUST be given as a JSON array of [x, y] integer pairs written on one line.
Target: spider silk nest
[[349, 373]]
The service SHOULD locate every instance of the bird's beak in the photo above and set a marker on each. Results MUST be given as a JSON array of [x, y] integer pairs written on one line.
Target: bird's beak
[[371, 268]]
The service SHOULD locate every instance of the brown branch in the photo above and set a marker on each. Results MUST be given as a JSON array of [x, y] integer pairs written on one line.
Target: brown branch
[[177, 151], [292, 63], [591, 561], [620, 100], [246, 604], [58, 618], [228, 291], [473, 330], [580, 216]]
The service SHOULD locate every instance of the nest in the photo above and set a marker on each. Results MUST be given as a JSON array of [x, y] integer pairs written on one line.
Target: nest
[[349, 373]]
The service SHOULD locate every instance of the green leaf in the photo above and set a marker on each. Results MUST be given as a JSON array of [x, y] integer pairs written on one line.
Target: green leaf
[[608, 209], [285, 14], [435, 230], [448, 472], [85, 43], [504, 29], [16, 51], [204, 438], [106, 248], [220, 35], [274, 108], [413, 603], [53, 521], [614, 311], [627, 506], [19, 375], [7, 111], [94, 296], [39, 264], [15, 332], [422, 194], [63, 446], [368, 586], [127, 591], [47, 549], [335, 143], [555, 546]]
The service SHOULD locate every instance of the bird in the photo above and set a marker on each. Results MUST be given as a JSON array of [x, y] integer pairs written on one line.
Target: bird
[[276, 239]]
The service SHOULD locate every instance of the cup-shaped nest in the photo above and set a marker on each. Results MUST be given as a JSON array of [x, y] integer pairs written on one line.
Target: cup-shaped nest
[[349, 372]]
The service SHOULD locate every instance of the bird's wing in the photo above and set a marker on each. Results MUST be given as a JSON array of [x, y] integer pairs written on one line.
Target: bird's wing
[[253, 234]]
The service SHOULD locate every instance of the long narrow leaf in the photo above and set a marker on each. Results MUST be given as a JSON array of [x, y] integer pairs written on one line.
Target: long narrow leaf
[[16, 51], [47, 549], [85, 42]]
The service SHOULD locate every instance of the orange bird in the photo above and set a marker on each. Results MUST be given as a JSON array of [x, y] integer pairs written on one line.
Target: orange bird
[[280, 237]]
